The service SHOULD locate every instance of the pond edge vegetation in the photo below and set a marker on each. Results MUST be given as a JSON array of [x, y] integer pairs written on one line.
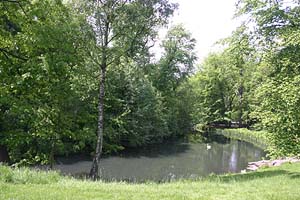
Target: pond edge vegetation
[[257, 138]]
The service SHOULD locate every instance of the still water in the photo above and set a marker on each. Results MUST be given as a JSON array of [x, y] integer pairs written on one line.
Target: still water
[[170, 161]]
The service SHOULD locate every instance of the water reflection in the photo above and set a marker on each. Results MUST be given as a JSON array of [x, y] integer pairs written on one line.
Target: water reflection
[[173, 160]]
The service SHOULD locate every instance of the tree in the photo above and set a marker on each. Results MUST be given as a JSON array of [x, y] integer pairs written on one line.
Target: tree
[[121, 28], [143, 114], [276, 35], [174, 68], [37, 53], [223, 85], [241, 58], [214, 90], [177, 61], [279, 113]]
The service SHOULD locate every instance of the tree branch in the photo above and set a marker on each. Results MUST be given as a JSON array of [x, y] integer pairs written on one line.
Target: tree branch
[[11, 1], [6, 52]]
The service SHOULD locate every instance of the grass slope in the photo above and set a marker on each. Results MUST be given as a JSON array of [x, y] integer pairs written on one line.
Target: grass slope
[[278, 183]]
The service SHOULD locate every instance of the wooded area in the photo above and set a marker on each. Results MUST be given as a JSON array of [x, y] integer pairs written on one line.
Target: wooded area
[[81, 76]]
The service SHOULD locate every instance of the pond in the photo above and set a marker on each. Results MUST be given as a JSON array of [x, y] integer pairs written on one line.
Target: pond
[[170, 161]]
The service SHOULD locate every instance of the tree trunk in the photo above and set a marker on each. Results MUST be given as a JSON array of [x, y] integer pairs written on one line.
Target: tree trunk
[[51, 155], [4, 157], [94, 173], [241, 96]]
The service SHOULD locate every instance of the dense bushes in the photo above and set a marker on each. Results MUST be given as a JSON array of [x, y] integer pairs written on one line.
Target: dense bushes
[[279, 113]]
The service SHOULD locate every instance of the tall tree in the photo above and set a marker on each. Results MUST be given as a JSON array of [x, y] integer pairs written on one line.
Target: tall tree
[[121, 29], [37, 54], [276, 35], [174, 68], [240, 57], [214, 88], [222, 84], [178, 59]]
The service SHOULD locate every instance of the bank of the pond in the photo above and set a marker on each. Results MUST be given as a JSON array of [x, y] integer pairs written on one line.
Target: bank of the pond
[[258, 138], [276, 183]]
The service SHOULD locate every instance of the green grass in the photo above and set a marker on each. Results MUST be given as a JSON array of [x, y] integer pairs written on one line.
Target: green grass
[[27, 176], [278, 183]]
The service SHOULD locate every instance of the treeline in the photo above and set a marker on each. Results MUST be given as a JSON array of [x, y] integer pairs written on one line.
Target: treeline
[[72, 71], [51, 60], [255, 79]]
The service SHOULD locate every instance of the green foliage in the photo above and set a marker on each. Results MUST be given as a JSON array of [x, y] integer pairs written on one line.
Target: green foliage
[[255, 79], [177, 62], [135, 112], [50, 56], [209, 87], [174, 68], [36, 101], [279, 113], [222, 88], [276, 99]]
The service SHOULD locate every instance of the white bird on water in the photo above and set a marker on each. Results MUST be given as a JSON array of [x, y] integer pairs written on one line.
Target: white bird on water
[[208, 146]]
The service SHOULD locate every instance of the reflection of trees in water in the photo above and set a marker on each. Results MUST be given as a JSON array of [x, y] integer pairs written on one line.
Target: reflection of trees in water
[[159, 150], [226, 153], [242, 153], [210, 137], [214, 159], [235, 157]]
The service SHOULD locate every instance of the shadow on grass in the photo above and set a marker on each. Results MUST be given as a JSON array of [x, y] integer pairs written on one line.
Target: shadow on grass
[[253, 175], [294, 175]]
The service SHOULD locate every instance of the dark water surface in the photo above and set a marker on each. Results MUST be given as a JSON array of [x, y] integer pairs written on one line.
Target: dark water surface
[[170, 161]]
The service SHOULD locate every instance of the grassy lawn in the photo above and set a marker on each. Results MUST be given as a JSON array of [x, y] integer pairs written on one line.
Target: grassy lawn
[[280, 183]]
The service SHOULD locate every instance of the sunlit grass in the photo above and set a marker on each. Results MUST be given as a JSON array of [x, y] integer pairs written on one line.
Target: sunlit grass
[[278, 183], [27, 176]]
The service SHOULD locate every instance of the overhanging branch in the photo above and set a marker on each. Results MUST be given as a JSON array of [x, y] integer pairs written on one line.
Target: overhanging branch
[[8, 53]]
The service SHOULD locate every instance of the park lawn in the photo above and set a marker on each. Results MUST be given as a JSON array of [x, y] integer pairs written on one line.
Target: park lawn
[[277, 183]]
